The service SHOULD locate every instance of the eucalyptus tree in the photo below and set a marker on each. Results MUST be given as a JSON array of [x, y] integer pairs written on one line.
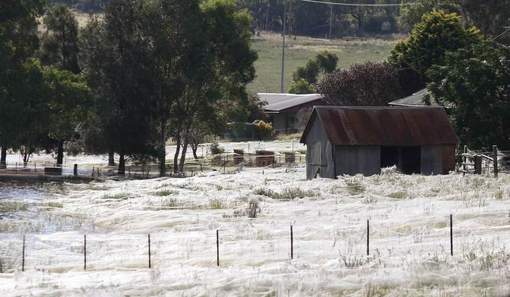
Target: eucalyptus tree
[[219, 83], [18, 42], [59, 48], [98, 131], [126, 80]]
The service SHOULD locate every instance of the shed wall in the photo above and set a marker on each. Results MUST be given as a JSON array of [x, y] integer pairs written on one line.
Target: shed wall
[[448, 158], [437, 159], [352, 160], [431, 160], [319, 153]]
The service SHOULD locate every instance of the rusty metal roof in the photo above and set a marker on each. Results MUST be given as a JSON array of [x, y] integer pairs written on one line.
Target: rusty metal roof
[[388, 126], [278, 102], [415, 100]]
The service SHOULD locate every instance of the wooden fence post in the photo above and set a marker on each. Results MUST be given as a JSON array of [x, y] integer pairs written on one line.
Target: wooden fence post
[[368, 237], [149, 245], [291, 242], [495, 159], [451, 234], [84, 251], [464, 160], [217, 248], [23, 255]]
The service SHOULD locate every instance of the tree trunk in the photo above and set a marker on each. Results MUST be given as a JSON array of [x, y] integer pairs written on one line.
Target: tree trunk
[[111, 158], [26, 153], [162, 150], [60, 153], [194, 148], [183, 154], [3, 157], [122, 165], [177, 150]]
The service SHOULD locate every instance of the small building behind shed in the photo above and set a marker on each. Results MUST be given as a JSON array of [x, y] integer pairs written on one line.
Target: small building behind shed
[[422, 98], [289, 113], [361, 140]]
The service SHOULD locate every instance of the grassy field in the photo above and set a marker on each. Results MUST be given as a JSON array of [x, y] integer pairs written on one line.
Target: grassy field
[[301, 49]]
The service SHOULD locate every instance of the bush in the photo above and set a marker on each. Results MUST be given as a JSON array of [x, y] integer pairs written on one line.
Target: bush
[[264, 130], [301, 86], [286, 194], [362, 84], [216, 149]]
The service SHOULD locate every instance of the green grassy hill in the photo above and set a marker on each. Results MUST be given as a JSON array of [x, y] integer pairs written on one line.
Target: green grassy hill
[[301, 49]]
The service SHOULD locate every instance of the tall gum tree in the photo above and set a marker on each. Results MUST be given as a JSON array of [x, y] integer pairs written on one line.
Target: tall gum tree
[[59, 48], [18, 42]]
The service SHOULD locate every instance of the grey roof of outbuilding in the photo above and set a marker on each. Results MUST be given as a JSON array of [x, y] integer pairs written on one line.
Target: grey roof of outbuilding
[[277, 102], [416, 99], [388, 126]]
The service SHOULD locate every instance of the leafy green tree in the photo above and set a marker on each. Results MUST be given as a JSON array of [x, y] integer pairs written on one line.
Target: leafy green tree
[[308, 73], [301, 86], [491, 16], [18, 42], [327, 61], [473, 85], [362, 84], [127, 80], [305, 78], [97, 132], [438, 33], [60, 39], [31, 107], [201, 61], [177, 57], [412, 14], [67, 104], [229, 68], [59, 48]]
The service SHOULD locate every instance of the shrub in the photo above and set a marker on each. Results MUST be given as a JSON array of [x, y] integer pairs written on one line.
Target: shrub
[[215, 204], [286, 194], [163, 193], [354, 187], [216, 149], [264, 130], [301, 86], [362, 84]]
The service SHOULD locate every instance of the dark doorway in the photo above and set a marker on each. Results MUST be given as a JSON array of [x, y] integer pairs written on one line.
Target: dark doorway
[[407, 159], [411, 160], [389, 156]]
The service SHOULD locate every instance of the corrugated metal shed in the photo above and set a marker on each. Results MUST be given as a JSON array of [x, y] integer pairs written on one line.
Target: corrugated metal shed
[[386, 126], [278, 102]]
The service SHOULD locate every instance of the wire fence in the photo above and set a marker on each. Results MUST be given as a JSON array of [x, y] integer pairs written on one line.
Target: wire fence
[[227, 163], [97, 252]]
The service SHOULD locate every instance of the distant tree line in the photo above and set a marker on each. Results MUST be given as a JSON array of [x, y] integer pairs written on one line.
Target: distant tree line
[[313, 19], [145, 72]]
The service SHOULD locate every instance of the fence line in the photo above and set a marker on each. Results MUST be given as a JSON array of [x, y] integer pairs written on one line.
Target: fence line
[[223, 162], [217, 245]]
